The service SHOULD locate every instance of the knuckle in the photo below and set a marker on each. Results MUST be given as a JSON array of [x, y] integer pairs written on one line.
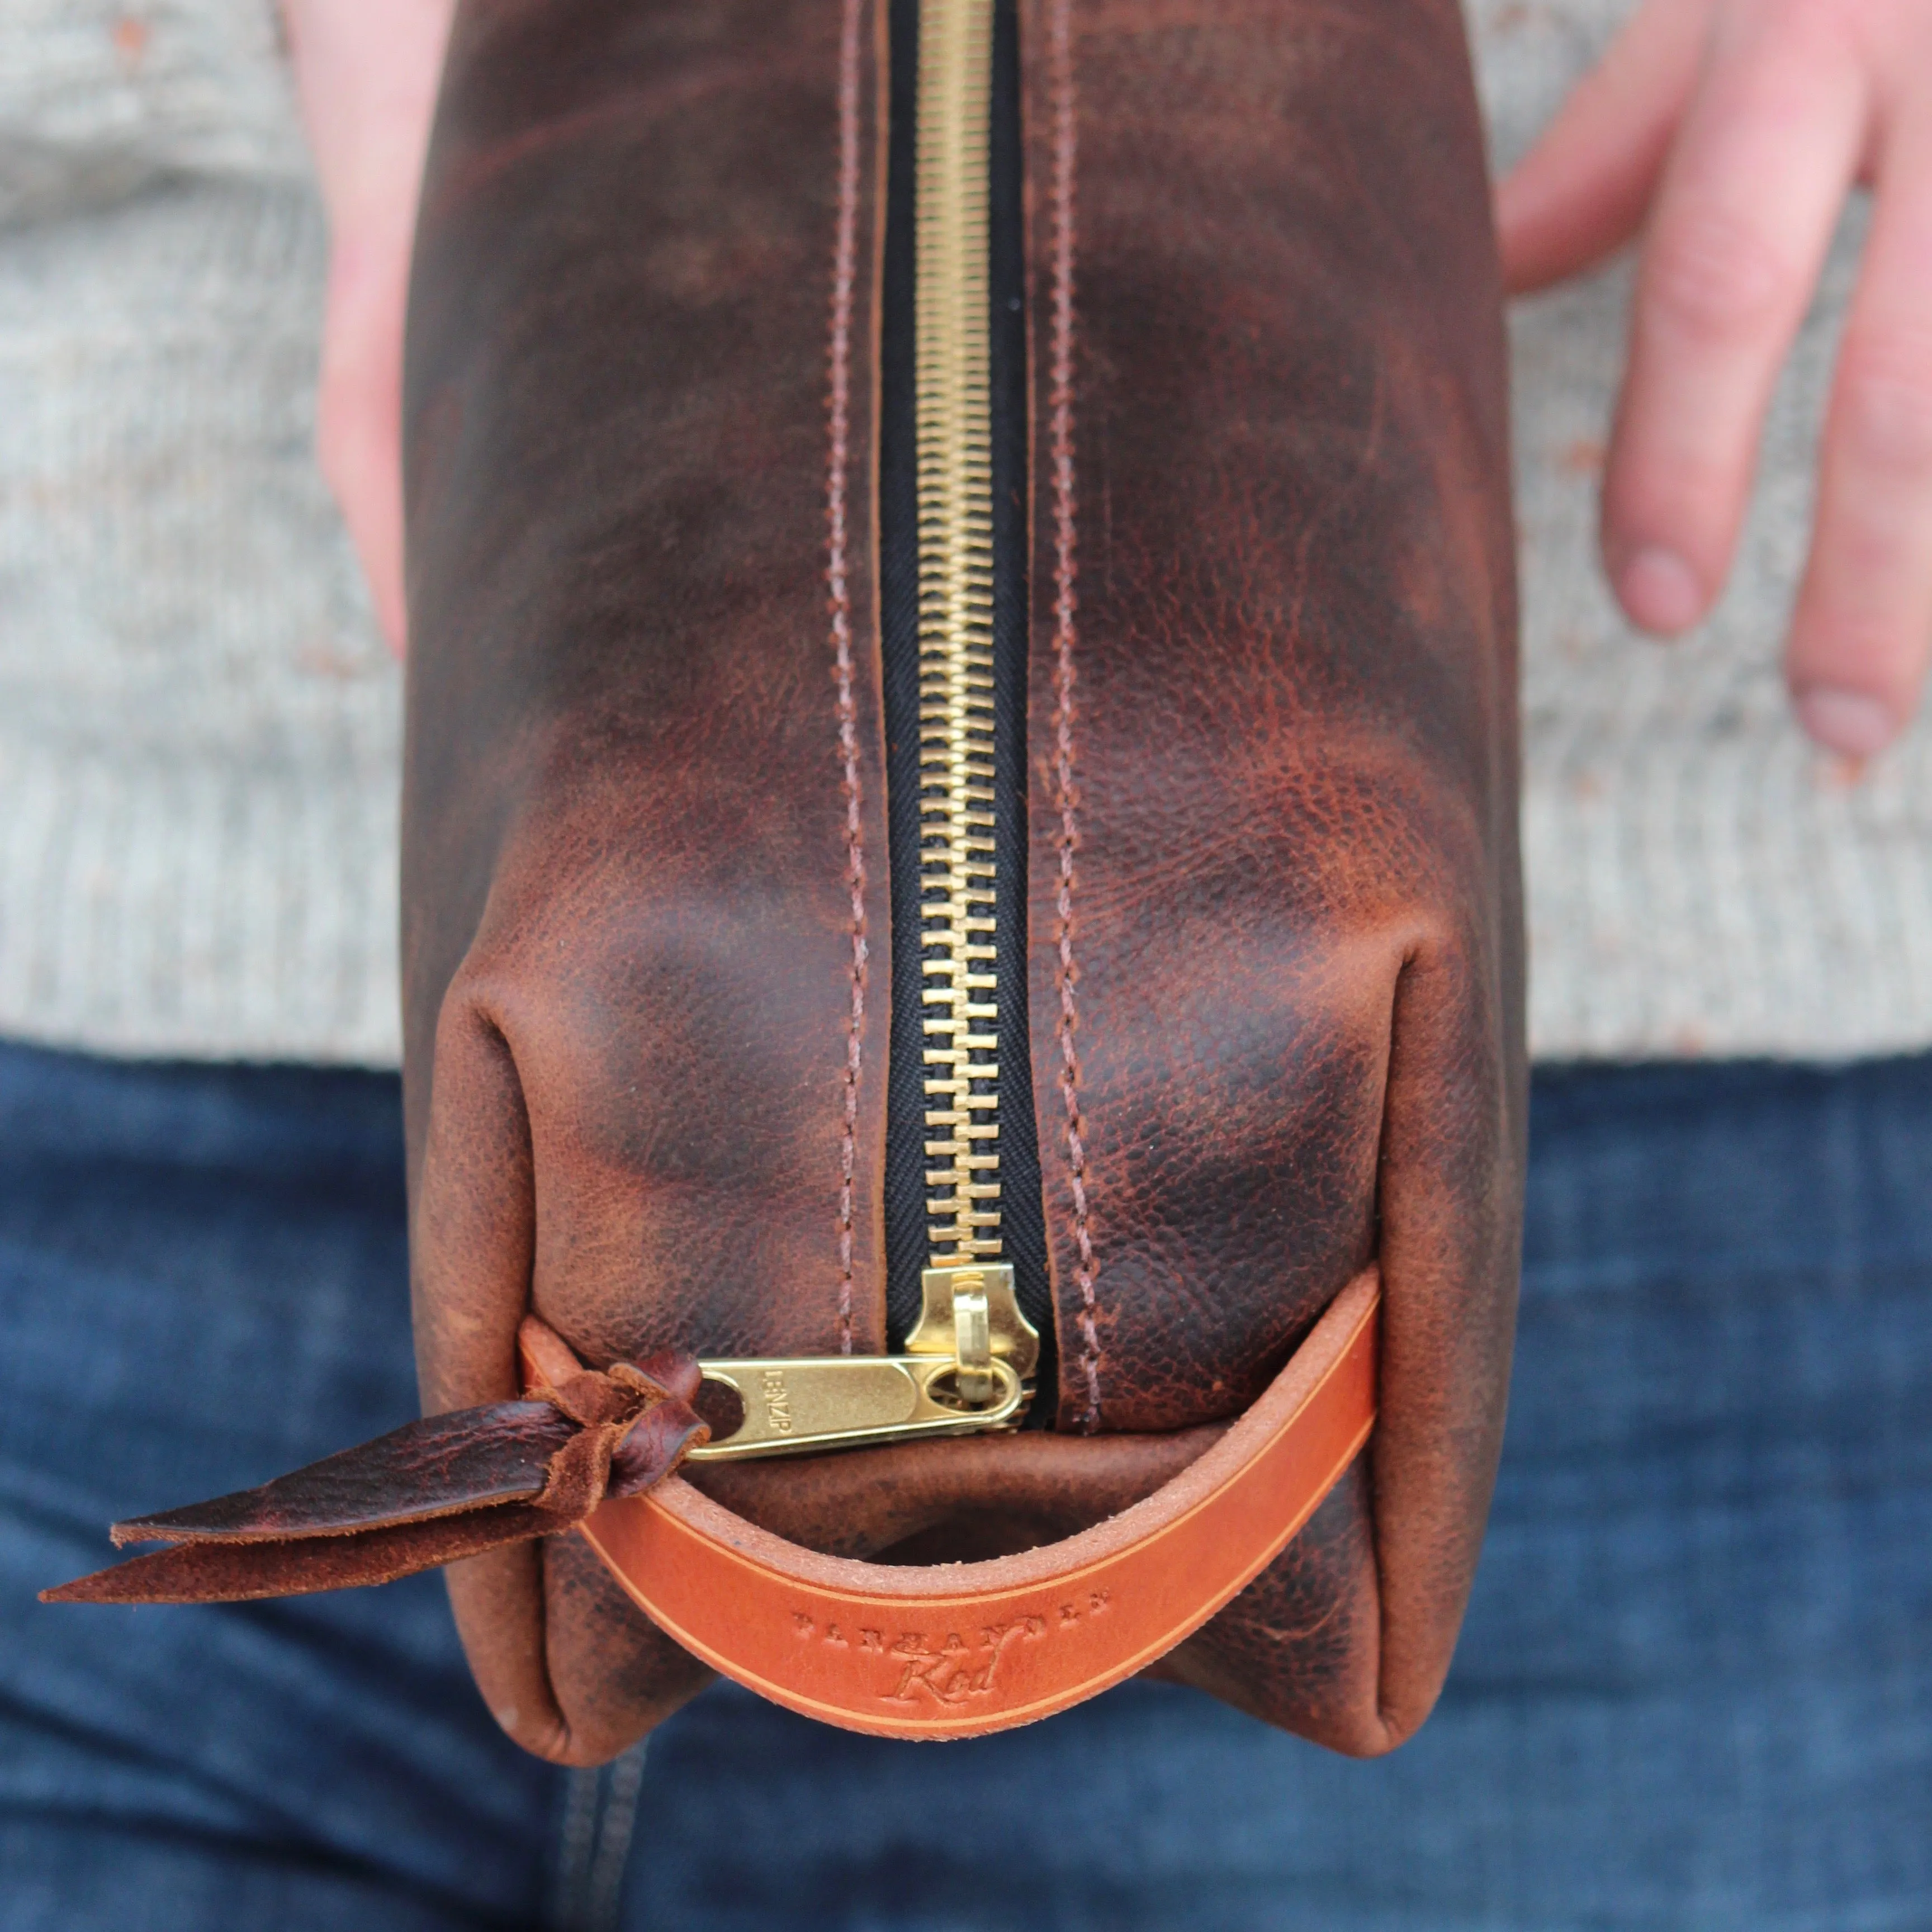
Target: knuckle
[[1714, 276], [1884, 408]]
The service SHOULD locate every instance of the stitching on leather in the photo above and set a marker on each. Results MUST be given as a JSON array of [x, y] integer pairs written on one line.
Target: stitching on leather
[[844, 267], [1065, 603]]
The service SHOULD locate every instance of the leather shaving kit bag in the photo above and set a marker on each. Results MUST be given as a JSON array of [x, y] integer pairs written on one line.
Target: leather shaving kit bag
[[961, 929]]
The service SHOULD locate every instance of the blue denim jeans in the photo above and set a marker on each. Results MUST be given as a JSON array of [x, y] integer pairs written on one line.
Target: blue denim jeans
[[1694, 1689]]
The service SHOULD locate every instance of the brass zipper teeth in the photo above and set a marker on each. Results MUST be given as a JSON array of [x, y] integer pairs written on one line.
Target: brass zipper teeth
[[952, 411], [968, 1361]]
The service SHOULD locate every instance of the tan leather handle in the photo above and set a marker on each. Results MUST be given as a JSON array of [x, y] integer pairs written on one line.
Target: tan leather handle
[[956, 1650]]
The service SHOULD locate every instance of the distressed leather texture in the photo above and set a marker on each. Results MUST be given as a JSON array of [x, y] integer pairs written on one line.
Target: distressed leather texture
[[1275, 927], [426, 1494]]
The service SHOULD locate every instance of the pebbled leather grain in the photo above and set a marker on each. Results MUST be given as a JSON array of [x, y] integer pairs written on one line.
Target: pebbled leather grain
[[1276, 900], [1275, 923]]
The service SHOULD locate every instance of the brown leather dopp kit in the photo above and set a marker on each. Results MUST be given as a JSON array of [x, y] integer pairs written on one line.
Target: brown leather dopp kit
[[1245, 1104]]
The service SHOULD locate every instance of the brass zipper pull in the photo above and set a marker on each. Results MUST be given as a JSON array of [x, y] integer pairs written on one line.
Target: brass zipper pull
[[967, 1366]]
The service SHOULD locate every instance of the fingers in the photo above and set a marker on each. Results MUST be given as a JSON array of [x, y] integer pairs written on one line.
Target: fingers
[[1582, 190], [359, 409], [1767, 151], [366, 77], [1862, 630]]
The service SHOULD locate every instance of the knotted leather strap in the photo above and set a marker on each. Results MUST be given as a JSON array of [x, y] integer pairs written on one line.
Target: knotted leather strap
[[956, 1650], [447, 1486]]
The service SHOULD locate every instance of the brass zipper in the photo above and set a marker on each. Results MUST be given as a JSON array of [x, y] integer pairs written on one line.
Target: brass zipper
[[969, 1361], [953, 415]]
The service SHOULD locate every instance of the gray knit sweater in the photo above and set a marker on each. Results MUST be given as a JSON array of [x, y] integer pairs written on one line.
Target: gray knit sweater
[[199, 730]]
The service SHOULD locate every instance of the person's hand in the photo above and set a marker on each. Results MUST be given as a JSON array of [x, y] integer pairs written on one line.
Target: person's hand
[[1731, 131], [366, 72]]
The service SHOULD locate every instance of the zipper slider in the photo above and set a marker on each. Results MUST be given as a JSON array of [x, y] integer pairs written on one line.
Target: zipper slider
[[967, 1366]]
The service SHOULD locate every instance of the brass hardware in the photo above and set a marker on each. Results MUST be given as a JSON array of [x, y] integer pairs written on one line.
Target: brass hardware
[[964, 1370], [973, 1346], [834, 1401], [1011, 1337], [969, 1361], [953, 410]]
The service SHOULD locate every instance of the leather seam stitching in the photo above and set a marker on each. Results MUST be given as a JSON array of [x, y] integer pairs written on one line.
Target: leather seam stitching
[[837, 467], [1066, 604]]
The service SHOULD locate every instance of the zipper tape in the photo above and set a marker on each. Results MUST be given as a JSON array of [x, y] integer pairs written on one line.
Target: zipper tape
[[958, 1650]]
